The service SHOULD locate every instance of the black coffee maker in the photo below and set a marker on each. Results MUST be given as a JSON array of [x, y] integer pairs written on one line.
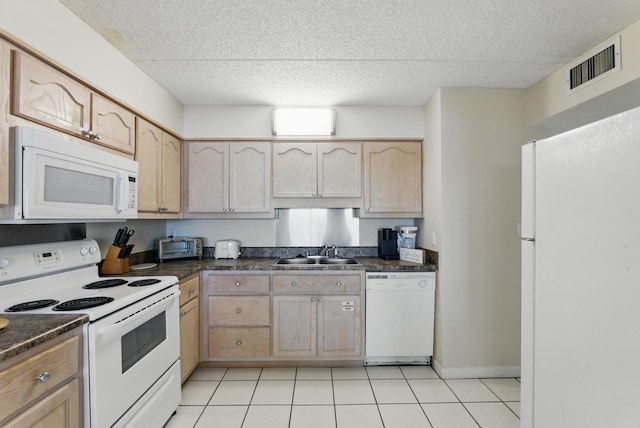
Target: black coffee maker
[[388, 244]]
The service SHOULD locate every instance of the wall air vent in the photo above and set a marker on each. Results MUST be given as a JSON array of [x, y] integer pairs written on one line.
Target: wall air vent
[[595, 65]]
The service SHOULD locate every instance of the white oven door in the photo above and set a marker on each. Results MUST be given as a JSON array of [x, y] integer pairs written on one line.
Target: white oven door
[[128, 352]]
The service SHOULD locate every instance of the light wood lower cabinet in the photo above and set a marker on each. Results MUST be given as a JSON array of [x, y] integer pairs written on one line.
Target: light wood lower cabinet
[[237, 311], [316, 324], [189, 326], [42, 388]]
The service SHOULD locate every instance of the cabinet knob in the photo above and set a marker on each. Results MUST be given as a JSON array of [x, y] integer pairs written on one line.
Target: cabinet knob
[[313, 299], [367, 209], [43, 377], [238, 343], [319, 195], [313, 194], [319, 299], [192, 290], [86, 133], [224, 209], [96, 136], [338, 284], [238, 284], [232, 210], [183, 313], [294, 284], [238, 310]]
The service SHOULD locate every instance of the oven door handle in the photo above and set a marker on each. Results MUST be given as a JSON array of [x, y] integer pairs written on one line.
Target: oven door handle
[[157, 308]]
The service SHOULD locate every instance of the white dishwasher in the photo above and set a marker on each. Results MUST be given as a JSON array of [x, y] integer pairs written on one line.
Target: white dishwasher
[[399, 317]]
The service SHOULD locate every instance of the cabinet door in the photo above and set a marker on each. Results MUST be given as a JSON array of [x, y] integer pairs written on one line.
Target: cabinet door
[[339, 332], [249, 177], [339, 170], [294, 326], [392, 179], [47, 96], [295, 170], [170, 173], [59, 409], [148, 155], [189, 337], [208, 177], [5, 83], [114, 124]]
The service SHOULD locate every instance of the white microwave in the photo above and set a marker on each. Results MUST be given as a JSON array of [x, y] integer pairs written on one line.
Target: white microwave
[[58, 178]]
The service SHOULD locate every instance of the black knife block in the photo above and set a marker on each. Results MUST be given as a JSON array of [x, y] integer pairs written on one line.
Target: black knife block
[[112, 265]]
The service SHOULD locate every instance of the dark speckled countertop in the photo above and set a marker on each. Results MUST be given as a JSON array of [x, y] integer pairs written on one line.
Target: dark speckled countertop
[[26, 331], [185, 268]]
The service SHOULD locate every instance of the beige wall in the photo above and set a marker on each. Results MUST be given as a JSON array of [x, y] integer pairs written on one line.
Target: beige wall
[[477, 134], [254, 122], [55, 31]]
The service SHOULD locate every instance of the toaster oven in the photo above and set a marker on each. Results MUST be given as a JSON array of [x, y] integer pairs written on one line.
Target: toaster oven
[[178, 248]]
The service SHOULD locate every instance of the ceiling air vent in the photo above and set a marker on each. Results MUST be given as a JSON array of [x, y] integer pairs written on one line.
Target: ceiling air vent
[[595, 65]]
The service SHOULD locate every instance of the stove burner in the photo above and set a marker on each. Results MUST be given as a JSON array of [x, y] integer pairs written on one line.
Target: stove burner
[[105, 283], [84, 303], [143, 282], [30, 306]]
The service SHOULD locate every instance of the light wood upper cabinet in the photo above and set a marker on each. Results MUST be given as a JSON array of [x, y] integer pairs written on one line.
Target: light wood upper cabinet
[[392, 179], [5, 85], [114, 125], [50, 97], [158, 156], [317, 170], [228, 179]]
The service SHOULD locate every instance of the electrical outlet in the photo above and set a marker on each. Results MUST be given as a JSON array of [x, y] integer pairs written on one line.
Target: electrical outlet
[[171, 233]]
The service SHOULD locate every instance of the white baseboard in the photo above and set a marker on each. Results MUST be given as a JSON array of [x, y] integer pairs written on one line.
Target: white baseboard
[[475, 372]]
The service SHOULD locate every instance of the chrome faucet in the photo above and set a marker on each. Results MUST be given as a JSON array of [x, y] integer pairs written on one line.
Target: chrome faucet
[[324, 250], [335, 251]]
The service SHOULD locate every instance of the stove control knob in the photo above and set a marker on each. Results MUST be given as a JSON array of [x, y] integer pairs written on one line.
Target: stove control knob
[[4, 263], [84, 251], [93, 250]]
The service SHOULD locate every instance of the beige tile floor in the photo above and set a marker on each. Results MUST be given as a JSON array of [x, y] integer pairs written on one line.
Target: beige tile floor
[[372, 397]]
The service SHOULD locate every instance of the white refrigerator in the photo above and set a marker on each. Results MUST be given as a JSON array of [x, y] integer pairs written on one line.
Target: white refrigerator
[[581, 277]]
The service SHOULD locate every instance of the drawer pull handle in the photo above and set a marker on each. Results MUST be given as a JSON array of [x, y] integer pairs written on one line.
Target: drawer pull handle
[[338, 284], [238, 310], [238, 343], [238, 284], [43, 377]]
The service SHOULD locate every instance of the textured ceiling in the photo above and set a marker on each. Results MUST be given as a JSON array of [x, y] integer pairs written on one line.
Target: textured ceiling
[[348, 52]]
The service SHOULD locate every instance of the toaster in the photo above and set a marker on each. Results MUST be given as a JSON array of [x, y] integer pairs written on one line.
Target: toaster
[[227, 249]]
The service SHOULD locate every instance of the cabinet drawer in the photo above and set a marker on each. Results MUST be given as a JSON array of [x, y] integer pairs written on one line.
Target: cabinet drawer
[[239, 310], [19, 384], [317, 284], [253, 284], [189, 289], [239, 341]]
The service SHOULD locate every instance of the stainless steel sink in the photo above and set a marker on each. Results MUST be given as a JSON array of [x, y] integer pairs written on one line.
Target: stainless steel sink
[[315, 261], [337, 261], [295, 261]]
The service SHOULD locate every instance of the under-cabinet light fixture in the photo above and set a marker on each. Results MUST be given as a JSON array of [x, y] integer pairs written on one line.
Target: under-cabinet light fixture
[[303, 121]]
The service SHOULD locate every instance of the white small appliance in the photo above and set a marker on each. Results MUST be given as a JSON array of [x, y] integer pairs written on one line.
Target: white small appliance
[[57, 178], [227, 249]]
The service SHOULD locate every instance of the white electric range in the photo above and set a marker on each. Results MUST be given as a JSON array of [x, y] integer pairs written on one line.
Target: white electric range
[[131, 373]]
